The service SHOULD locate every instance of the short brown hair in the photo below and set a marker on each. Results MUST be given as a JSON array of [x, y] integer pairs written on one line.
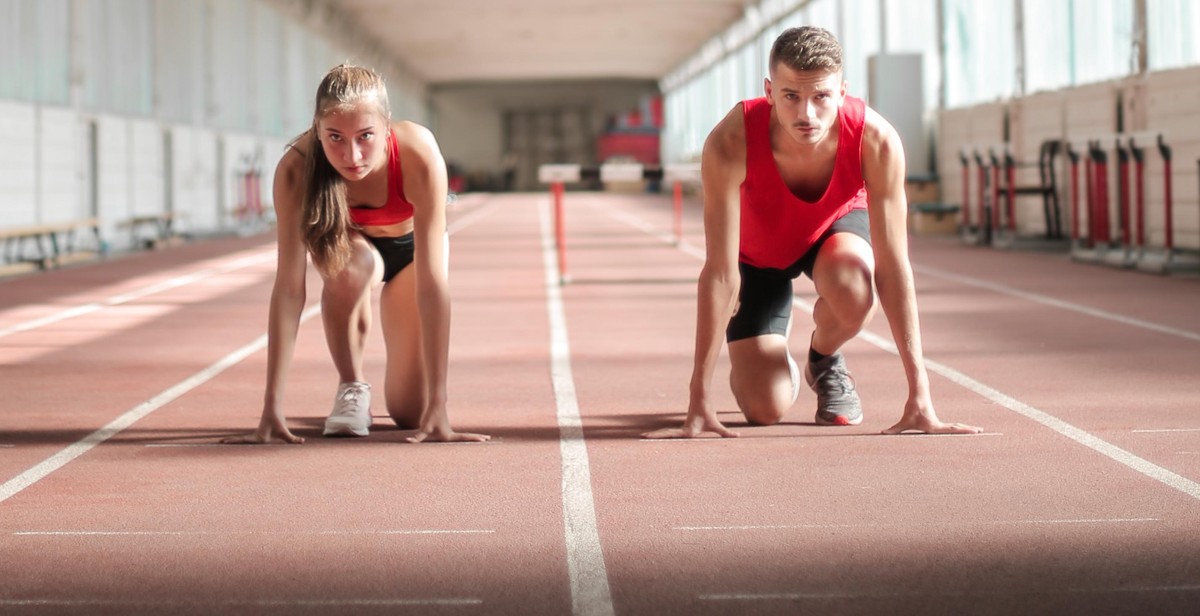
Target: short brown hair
[[808, 48]]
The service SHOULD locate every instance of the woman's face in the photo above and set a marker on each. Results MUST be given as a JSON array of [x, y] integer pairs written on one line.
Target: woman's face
[[354, 140]]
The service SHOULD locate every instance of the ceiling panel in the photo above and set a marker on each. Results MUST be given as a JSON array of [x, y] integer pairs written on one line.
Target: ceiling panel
[[488, 40]]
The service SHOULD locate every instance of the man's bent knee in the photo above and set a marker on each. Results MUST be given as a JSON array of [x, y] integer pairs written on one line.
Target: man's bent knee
[[763, 414]]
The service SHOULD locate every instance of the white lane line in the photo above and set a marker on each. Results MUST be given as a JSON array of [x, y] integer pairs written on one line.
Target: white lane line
[[801, 596], [6, 446], [1137, 463], [492, 441], [590, 594], [157, 287], [191, 533], [73, 451], [910, 525], [82, 446], [1167, 430], [704, 439], [1058, 303], [233, 603], [1087, 439]]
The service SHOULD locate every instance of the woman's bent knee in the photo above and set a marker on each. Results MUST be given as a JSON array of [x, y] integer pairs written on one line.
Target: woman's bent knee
[[358, 272]]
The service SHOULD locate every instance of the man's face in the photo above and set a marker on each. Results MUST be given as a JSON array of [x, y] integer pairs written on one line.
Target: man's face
[[806, 102]]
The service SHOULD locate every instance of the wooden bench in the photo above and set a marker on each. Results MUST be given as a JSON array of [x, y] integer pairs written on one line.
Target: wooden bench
[[932, 218], [151, 230], [52, 243]]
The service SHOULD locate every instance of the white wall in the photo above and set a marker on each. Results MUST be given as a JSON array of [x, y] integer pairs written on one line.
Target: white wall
[[18, 164], [183, 98], [60, 171], [194, 179]]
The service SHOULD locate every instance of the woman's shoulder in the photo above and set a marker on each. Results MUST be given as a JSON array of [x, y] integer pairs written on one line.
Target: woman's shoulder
[[298, 148], [413, 137], [293, 165]]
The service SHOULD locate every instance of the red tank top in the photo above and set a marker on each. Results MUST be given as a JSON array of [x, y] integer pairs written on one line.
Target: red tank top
[[397, 209], [777, 227]]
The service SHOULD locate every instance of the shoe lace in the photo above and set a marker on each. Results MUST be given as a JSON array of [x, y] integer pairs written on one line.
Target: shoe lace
[[836, 381], [348, 400]]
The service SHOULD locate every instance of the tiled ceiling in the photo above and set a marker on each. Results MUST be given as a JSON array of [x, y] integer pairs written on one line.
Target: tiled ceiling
[[504, 40]]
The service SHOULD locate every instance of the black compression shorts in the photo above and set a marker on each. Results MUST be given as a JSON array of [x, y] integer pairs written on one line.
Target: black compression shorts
[[397, 253], [765, 299]]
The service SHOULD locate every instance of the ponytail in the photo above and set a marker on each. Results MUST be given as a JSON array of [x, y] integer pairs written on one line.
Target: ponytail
[[325, 221]]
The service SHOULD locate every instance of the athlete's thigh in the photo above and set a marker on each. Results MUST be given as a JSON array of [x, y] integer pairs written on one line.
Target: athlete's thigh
[[404, 385], [844, 259]]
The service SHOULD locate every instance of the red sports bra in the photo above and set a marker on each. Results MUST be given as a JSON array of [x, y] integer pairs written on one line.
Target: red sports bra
[[398, 208], [777, 227]]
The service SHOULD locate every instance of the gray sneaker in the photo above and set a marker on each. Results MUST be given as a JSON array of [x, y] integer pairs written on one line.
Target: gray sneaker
[[351, 414], [837, 402]]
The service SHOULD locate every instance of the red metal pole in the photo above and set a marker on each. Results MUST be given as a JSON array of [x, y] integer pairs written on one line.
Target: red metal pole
[[1011, 172], [1074, 194], [1169, 241], [1102, 214], [966, 191], [258, 208], [560, 236], [1090, 172], [1099, 213], [1139, 170], [678, 211], [1123, 209], [995, 193], [982, 182]]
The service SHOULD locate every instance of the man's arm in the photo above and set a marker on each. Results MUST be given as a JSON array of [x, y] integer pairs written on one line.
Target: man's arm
[[883, 172], [722, 170]]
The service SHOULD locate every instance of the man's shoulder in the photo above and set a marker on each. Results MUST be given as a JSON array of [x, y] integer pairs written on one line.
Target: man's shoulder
[[728, 137], [877, 130]]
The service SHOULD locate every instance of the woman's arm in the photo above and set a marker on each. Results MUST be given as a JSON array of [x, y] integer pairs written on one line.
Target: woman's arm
[[425, 186], [287, 301]]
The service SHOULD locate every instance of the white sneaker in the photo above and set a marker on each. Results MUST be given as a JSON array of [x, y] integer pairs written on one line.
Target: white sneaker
[[351, 414]]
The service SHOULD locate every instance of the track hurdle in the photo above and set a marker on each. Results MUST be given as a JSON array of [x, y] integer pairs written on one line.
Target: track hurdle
[[980, 231], [559, 175], [1129, 244], [1169, 259]]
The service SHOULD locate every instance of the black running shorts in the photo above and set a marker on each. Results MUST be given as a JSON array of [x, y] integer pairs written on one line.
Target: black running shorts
[[397, 253], [765, 299]]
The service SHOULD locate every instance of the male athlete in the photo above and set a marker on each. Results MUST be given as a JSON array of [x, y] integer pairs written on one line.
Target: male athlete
[[804, 180]]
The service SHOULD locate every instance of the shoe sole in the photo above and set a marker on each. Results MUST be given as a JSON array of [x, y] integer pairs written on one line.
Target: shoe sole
[[839, 421], [345, 431]]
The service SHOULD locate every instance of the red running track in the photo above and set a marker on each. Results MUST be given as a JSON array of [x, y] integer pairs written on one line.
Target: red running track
[[119, 378]]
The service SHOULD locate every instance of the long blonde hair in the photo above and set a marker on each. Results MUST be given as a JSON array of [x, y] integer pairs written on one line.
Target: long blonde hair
[[326, 215]]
